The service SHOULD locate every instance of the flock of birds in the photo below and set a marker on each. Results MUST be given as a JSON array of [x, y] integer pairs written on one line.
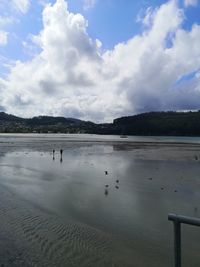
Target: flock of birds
[[162, 188], [106, 173], [107, 185], [117, 185]]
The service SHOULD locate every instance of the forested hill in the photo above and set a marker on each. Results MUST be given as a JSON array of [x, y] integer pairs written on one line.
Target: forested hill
[[161, 123], [42, 124], [152, 123]]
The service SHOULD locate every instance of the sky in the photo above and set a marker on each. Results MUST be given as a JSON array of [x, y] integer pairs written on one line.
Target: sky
[[99, 59]]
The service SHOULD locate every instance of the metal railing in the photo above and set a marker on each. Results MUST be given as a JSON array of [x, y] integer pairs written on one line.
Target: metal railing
[[177, 220]]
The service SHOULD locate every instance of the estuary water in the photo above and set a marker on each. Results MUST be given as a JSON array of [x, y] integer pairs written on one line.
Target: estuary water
[[105, 203]]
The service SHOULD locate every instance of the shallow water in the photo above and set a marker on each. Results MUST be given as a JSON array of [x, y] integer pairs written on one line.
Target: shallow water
[[59, 213]]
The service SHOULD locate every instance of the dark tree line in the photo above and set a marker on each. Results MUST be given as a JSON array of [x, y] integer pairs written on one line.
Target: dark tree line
[[152, 123]]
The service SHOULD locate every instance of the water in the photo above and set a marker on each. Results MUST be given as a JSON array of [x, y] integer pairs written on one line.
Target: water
[[59, 213], [99, 138]]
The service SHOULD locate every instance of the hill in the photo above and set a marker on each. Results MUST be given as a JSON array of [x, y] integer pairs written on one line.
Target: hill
[[152, 123], [41, 124], [161, 123]]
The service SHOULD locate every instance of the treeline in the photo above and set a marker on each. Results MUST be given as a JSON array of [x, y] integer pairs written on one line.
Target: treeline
[[152, 123], [161, 123]]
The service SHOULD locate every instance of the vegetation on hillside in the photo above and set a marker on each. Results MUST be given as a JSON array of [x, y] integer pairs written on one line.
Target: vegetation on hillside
[[152, 123]]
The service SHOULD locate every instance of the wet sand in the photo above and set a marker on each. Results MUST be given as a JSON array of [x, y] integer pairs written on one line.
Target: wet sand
[[56, 213]]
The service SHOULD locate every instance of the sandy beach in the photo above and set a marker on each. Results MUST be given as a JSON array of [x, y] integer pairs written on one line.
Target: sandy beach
[[72, 213]]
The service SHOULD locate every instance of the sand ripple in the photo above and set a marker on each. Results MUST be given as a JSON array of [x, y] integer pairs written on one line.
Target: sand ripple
[[35, 237]]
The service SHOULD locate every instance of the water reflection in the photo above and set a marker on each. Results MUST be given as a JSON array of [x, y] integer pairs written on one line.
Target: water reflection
[[106, 192], [112, 191]]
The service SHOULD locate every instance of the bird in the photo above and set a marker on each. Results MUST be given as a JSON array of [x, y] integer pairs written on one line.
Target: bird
[[117, 181], [106, 192], [117, 187], [106, 172], [106, 185]]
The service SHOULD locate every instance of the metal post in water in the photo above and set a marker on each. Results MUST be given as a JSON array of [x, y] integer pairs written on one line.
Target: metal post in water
[[177, 243]]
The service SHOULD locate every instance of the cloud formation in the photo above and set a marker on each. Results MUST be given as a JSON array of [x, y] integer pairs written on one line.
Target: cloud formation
[[3, 38], [7, 8], [4, 21], [74, 77], [89, 4], [190, 3], [21, 5]]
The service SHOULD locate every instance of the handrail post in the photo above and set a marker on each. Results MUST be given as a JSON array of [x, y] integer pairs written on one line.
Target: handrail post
[[177, 243], [177, 220]]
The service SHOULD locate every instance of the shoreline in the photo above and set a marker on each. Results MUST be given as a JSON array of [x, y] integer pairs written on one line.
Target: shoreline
[[107, 139]]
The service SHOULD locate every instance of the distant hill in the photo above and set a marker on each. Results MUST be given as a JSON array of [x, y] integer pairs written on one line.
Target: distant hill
[[152, 123], [41, 124], [161, 123], [7, 117], [48, 120]]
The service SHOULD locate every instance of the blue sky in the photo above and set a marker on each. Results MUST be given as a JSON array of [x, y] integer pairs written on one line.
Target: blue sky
[[122, 27], [111, 21]]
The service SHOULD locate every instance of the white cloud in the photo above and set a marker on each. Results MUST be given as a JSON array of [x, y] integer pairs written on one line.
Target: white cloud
[[146, 17], [3, 38], [11, 6], [72, 76], [89, 4], [4, 22], [21, 5], [43, 2], [190, 3], [7, 17]]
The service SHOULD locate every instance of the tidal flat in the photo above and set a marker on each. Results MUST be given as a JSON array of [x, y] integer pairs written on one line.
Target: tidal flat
[[106, 203]]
